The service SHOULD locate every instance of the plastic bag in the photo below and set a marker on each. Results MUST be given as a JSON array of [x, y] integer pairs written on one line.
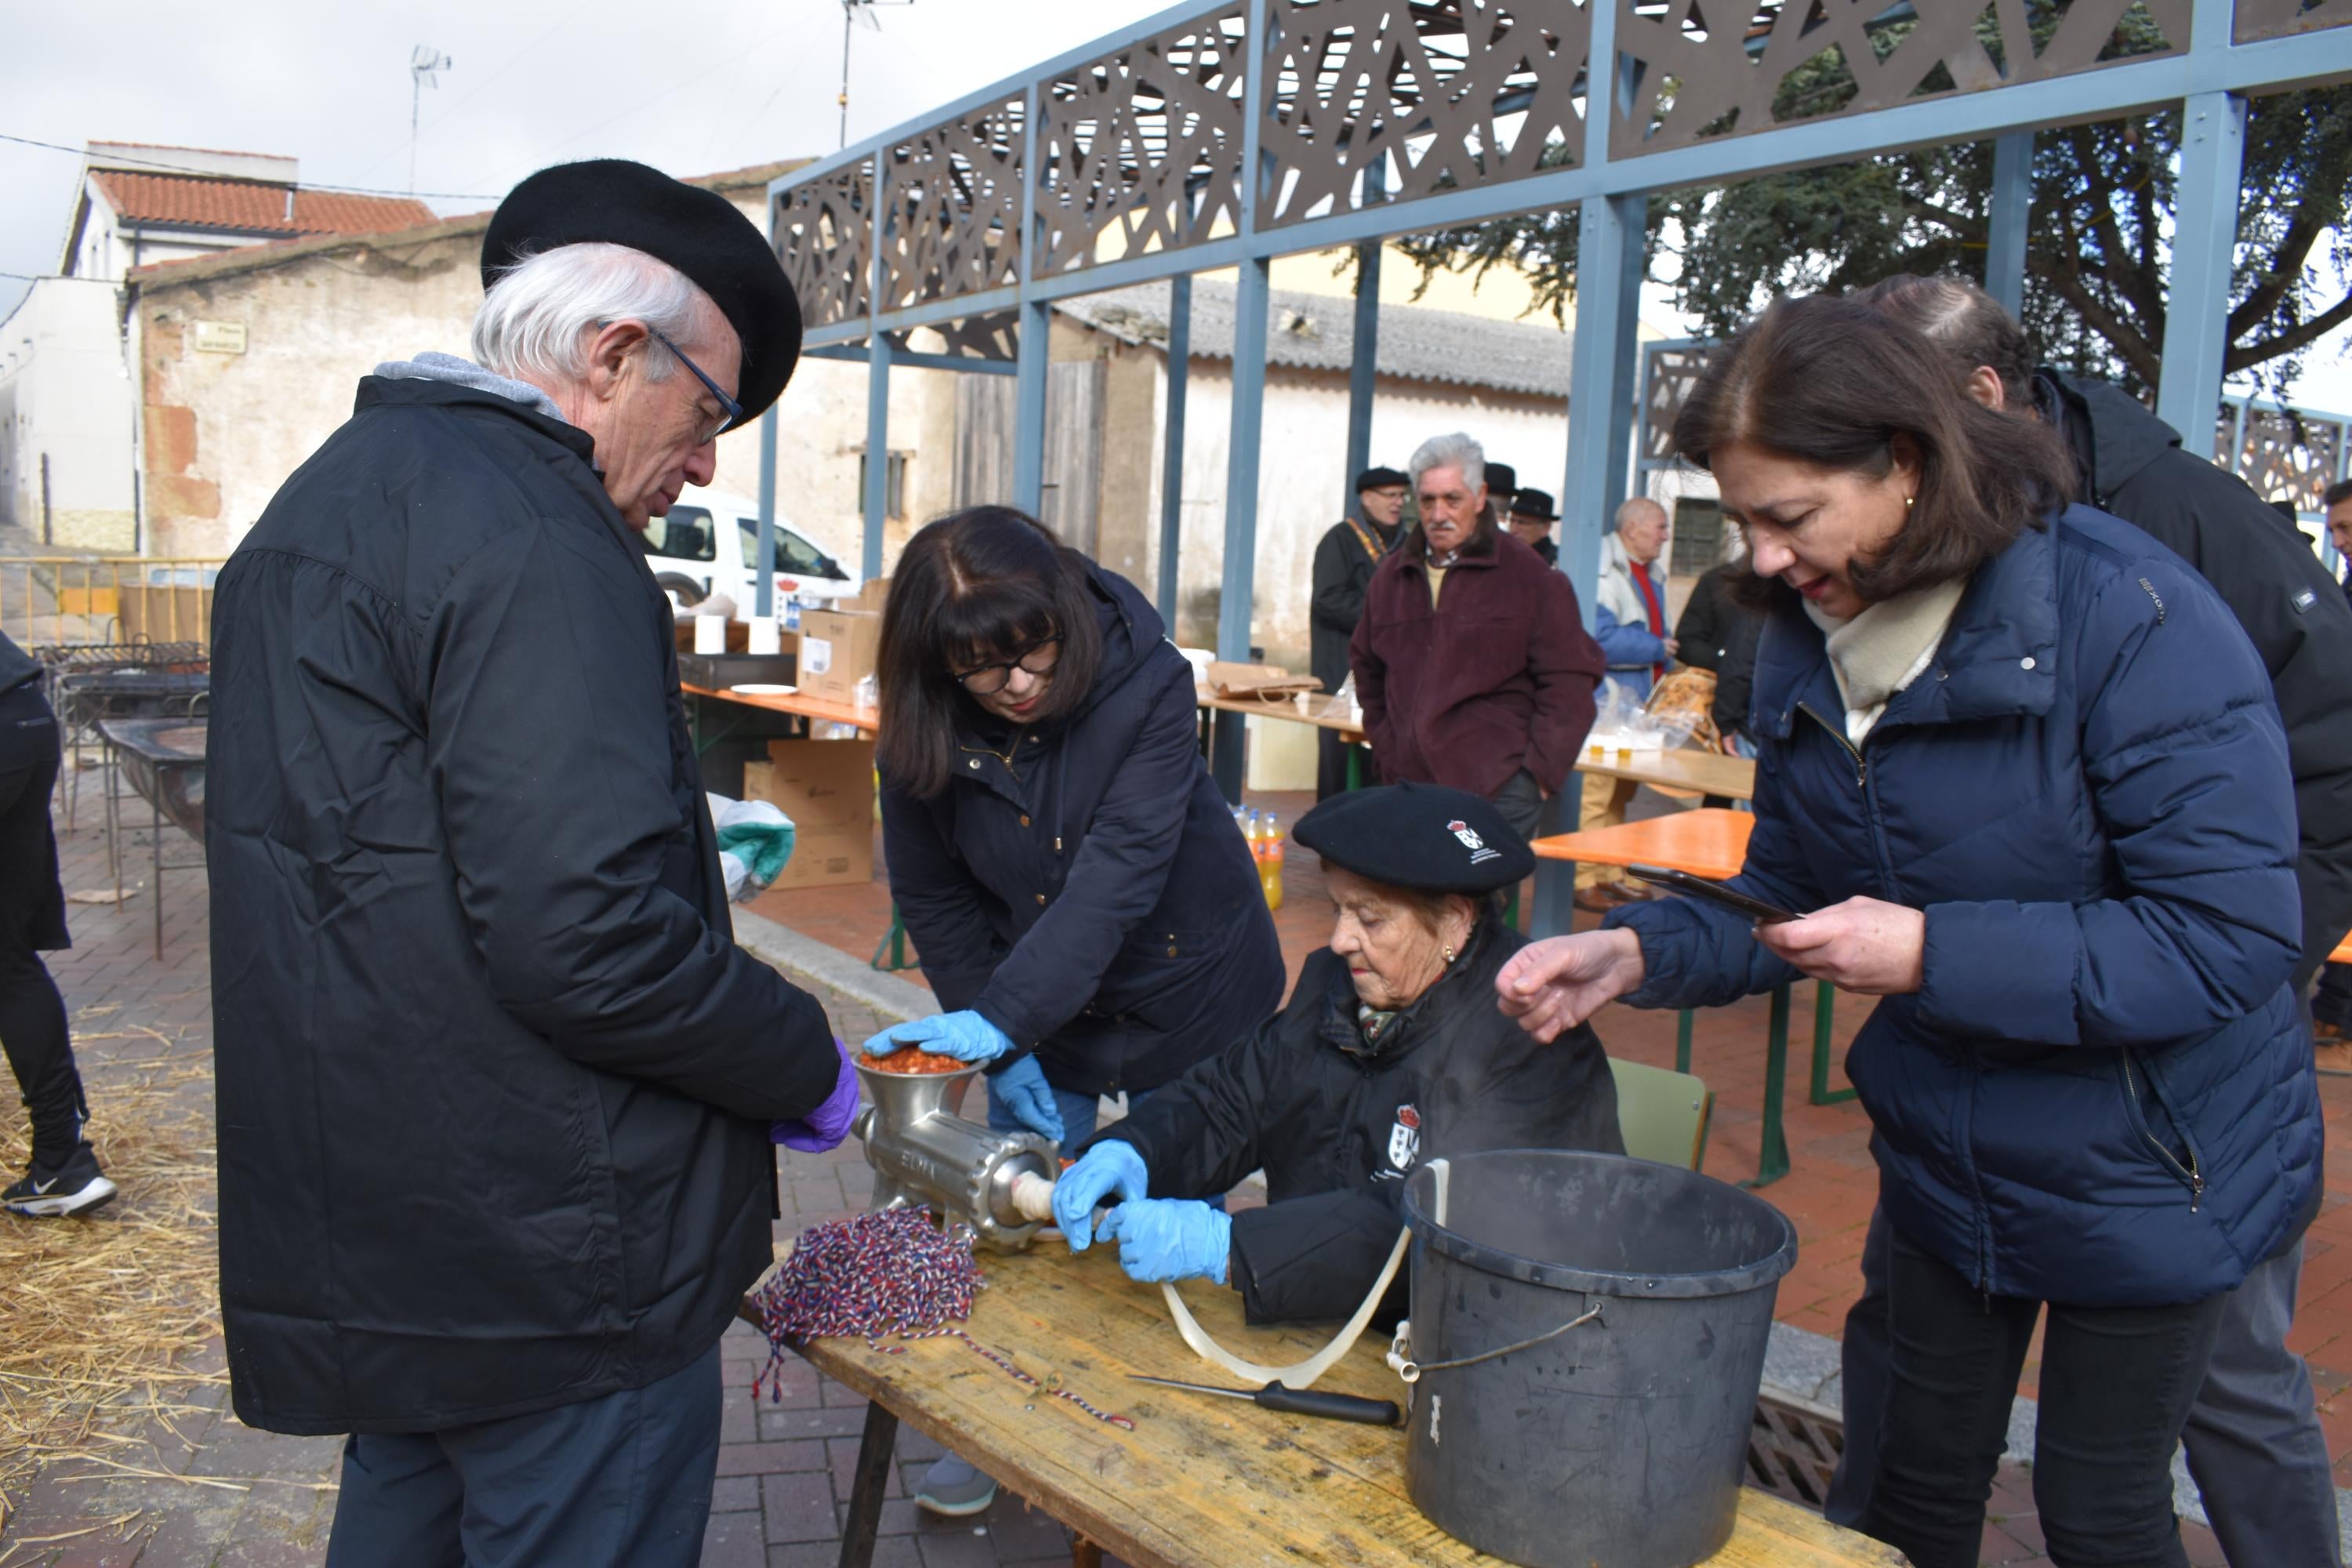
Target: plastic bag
[[755, 843]]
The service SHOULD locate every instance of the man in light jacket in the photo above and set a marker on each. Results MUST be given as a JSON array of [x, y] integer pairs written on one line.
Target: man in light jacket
[[1629, 624]]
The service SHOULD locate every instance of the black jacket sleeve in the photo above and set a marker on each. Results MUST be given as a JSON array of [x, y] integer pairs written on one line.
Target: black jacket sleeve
[[1339, 602], [552, 748], [1116, 879], [2301, 626], [1699, 633], [1199, 1135], [939, 901]]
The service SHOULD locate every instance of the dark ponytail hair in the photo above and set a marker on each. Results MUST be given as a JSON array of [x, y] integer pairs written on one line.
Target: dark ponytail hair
[[974, 586], [1836, 383]]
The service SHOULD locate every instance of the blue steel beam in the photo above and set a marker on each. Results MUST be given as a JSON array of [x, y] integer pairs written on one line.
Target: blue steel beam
[[1033, 335], [2204, 241], [2269, 64], [2012, 209], [878, 454], [1171, 450], [763, 597], [1364, 369], [1253, 301], [900, 359]]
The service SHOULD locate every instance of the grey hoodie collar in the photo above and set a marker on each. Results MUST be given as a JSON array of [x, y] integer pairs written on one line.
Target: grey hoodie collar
[[432, 366]]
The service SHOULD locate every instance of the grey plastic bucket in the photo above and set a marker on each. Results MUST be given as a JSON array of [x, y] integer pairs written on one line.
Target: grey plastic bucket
[[1620, 1443]]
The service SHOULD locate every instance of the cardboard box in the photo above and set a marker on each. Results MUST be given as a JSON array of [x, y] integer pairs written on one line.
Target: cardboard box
[[869, 596], [828, 857], [837, 651], [817, 784]]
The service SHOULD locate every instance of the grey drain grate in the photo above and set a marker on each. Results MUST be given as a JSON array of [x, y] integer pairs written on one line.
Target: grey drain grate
[[1792, 1452]]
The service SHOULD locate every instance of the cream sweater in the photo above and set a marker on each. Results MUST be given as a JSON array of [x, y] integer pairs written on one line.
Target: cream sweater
[[1885, 647]]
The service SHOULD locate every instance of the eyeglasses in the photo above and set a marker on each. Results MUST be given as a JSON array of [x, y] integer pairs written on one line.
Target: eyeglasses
[[732, 410], [1037, 658]]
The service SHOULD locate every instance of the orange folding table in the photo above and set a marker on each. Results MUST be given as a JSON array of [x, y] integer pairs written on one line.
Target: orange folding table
[[1713, 843]]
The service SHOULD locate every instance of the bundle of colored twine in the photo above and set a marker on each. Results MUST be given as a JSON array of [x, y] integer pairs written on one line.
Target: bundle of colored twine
[[896, 1271]]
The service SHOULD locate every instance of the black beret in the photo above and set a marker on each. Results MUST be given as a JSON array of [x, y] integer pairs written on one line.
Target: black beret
[[612, 201], [1380, 479], [1501, 477], [1418, 836]]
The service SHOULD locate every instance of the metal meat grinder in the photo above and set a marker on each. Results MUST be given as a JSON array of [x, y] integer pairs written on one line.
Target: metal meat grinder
[[1000, 1184]]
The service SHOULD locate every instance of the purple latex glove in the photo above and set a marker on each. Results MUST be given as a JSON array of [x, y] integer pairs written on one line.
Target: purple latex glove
[[828, 1124]]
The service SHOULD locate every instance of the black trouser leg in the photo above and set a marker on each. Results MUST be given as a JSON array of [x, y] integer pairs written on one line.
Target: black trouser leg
[[32, 1015], [1331, 764], [1863, 1355], [2116, 1385], [1956, 1354], [40, 1053], [2332, 1003]]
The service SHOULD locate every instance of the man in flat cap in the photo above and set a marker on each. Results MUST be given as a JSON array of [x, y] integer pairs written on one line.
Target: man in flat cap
[[1343, 570], [496, 1086]]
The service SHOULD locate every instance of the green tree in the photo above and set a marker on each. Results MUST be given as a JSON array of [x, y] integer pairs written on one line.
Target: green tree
[[2097, 254]]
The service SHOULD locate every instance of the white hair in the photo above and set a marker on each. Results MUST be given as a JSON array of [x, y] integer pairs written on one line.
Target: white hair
[[534, 322], [1633, 507], [1454, 451]]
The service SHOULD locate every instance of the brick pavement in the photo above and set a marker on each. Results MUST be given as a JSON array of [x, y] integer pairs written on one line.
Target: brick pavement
[[784, 1467]]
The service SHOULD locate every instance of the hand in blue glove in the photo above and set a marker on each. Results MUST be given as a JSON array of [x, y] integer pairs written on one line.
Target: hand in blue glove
[[828, 1124], [1169, 1238], [967, 1036], [1022, 1089], [1110, 1167]]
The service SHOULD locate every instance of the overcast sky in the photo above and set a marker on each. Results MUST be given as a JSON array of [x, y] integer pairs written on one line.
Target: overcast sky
[[689, 86]]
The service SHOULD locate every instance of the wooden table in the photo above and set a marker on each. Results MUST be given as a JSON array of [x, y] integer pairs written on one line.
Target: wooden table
[[793, 702], [1320, 708], [1708, 773], [1201, 1480], [1713, 843]]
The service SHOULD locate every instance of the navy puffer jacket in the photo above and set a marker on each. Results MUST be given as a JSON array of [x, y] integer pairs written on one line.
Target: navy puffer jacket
[[1081, 885], [2103, 1093]]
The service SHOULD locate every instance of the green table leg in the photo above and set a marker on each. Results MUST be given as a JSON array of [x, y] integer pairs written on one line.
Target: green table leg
[[894, 942], [1511, 910], [1824, 1019], [1773, 1162], [1355, 767], [1683, 1040]]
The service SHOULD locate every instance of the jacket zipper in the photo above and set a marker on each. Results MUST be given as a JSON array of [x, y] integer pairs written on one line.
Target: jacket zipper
[[2191, 1175], [1837, 734]]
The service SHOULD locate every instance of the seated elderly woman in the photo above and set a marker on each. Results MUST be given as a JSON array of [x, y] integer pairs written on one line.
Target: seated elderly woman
[[1391, 1051]]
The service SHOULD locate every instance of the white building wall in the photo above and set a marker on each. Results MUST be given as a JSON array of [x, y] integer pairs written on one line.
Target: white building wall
[[65, 394]]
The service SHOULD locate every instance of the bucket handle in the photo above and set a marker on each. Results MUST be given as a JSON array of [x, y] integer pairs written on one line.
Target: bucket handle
[[1399, 1356]]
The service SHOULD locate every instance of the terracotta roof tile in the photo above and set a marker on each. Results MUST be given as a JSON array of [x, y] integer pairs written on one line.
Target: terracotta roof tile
[[196, 201]]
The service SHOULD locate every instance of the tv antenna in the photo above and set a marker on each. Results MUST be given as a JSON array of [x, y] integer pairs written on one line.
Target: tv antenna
[[856, 14], [425, 65]]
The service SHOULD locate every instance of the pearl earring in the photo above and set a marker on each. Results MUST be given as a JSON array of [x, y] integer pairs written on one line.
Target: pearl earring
[[1448, 951]]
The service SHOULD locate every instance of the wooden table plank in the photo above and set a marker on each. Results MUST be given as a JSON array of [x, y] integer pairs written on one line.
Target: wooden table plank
[[1708, 773], [867, 718], [1200, 1481], [1710, 842], [1321, 709]]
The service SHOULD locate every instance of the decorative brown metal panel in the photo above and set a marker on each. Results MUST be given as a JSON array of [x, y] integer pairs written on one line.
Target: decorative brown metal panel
[[1141, 150], [1669, 375], [991, 336], [1708, 69], [1436, 93], [955, 206], [2277, 18], [2286, 456], [825, 244]]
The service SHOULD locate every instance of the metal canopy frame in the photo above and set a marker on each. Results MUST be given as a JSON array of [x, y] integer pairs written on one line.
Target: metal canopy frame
[[1223, 134]]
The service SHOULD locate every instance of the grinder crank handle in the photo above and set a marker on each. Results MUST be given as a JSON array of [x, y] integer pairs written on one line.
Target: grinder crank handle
[[1330, 1406]]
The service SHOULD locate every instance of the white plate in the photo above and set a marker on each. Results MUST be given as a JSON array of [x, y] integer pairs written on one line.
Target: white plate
[[757, 689]]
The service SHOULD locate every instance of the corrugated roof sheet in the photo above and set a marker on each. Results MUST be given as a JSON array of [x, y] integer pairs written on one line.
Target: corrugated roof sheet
[[252, 207], [1317, 332]]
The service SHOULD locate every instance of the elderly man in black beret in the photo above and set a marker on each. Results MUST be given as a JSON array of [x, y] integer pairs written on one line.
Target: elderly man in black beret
[[497, 1089], [1343, 570]]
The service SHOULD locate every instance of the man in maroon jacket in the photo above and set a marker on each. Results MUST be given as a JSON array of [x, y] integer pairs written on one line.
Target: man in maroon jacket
[[1472, 660]]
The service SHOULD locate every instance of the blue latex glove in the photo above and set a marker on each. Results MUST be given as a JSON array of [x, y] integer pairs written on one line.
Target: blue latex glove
[[828, 1124], [1169, 1238], [967, 1036], [1111, 1167], [1028, 1095]]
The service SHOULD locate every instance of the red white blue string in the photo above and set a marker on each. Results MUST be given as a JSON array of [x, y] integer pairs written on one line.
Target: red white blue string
[[896, 1271]]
